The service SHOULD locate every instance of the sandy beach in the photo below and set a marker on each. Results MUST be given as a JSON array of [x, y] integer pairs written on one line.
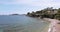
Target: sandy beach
[[54, 26]]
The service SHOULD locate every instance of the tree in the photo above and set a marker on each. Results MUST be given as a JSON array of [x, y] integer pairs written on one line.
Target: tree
[[57, 16], [28, 13]]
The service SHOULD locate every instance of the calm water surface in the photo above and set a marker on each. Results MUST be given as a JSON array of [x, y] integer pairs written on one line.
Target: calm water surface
[[21, 24]]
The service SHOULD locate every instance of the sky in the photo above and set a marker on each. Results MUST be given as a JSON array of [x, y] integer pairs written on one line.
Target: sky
[[24, 6]]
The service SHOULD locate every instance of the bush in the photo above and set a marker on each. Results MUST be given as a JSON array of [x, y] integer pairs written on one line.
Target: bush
[[57, 16]]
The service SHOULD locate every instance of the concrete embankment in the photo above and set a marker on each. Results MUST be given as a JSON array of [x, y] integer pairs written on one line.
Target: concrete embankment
[[54, 25]]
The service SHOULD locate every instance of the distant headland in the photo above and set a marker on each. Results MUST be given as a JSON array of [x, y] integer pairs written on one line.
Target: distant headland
[[15, 14], [46, 13]]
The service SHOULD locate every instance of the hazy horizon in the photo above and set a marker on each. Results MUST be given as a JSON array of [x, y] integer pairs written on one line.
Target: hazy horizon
[[24, 6]]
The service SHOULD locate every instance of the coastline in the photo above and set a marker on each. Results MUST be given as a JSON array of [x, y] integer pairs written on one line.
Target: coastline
[[46, 28], [49, 26], [53, 27]]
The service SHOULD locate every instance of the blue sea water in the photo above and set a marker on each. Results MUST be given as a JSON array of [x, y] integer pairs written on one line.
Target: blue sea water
[[20, 23]]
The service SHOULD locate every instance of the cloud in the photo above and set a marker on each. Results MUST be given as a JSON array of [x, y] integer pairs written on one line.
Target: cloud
[[24, 6], [40, 3], [48, 3]]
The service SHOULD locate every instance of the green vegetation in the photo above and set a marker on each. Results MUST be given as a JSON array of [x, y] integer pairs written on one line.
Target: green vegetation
[[57, 16], [46, 13]]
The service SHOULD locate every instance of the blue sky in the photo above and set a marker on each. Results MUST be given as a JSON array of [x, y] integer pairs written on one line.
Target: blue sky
[[24, 6]]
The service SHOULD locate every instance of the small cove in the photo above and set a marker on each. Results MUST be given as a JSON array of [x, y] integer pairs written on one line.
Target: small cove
[[21, 23]]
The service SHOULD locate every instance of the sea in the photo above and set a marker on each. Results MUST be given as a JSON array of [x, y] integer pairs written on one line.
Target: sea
[[21, 23]]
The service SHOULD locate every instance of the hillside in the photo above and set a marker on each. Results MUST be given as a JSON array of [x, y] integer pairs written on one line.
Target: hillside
[[46, 13]]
